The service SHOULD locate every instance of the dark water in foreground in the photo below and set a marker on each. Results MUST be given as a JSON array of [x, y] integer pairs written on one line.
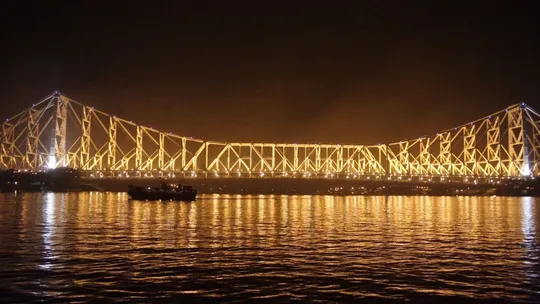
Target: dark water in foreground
[[100, 247]]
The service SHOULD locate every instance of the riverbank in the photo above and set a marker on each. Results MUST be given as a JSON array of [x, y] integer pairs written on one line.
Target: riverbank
[[330, 187], [67, 180]]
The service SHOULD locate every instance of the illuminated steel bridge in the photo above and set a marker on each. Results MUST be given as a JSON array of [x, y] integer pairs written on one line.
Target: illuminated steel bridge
[[60, 132]]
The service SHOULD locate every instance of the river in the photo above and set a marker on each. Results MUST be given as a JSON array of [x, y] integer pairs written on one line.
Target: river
[[82, 247]]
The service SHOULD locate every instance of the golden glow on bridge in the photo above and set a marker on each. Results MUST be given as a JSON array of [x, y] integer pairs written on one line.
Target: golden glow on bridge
[[60, 132]]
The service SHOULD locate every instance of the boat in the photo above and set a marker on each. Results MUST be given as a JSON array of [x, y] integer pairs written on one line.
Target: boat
[[167, 192]]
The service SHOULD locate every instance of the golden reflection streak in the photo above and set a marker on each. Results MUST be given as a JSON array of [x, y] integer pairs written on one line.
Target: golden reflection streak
[[528, 222], [215, 221], [191, 234], [25, 217], [237, 218], [261, 205], [528, 228], [248, 218], [283, 217], [48, 230]]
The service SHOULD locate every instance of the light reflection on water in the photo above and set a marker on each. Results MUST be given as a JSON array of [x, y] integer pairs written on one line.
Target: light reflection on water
[[91, 246], [48, 230]]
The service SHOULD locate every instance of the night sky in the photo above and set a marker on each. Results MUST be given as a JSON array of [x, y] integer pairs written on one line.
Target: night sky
[[270, 71]]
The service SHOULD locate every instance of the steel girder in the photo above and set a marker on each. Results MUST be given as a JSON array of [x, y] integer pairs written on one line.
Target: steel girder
[[59, 131]]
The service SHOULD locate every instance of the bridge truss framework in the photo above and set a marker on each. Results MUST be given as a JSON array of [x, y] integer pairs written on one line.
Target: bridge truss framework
[[60, 132]]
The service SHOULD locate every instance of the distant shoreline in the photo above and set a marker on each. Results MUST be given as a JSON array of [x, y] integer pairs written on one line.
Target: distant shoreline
[[288, 187]]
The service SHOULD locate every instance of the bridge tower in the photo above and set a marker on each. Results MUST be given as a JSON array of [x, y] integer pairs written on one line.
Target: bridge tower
[[57, 152]]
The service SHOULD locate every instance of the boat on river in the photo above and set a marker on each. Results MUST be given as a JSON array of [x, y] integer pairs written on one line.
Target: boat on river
[[167, 192]]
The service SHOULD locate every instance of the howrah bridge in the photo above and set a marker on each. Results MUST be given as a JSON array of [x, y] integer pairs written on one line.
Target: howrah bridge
[[61, 132]]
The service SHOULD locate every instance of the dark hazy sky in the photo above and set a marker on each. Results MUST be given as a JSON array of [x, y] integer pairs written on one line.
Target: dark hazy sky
[[339, 72]]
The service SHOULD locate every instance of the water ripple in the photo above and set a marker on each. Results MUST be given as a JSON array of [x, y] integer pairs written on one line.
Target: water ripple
[[101, 247]]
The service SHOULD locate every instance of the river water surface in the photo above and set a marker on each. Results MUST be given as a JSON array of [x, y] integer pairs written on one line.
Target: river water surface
[[101, 247]]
